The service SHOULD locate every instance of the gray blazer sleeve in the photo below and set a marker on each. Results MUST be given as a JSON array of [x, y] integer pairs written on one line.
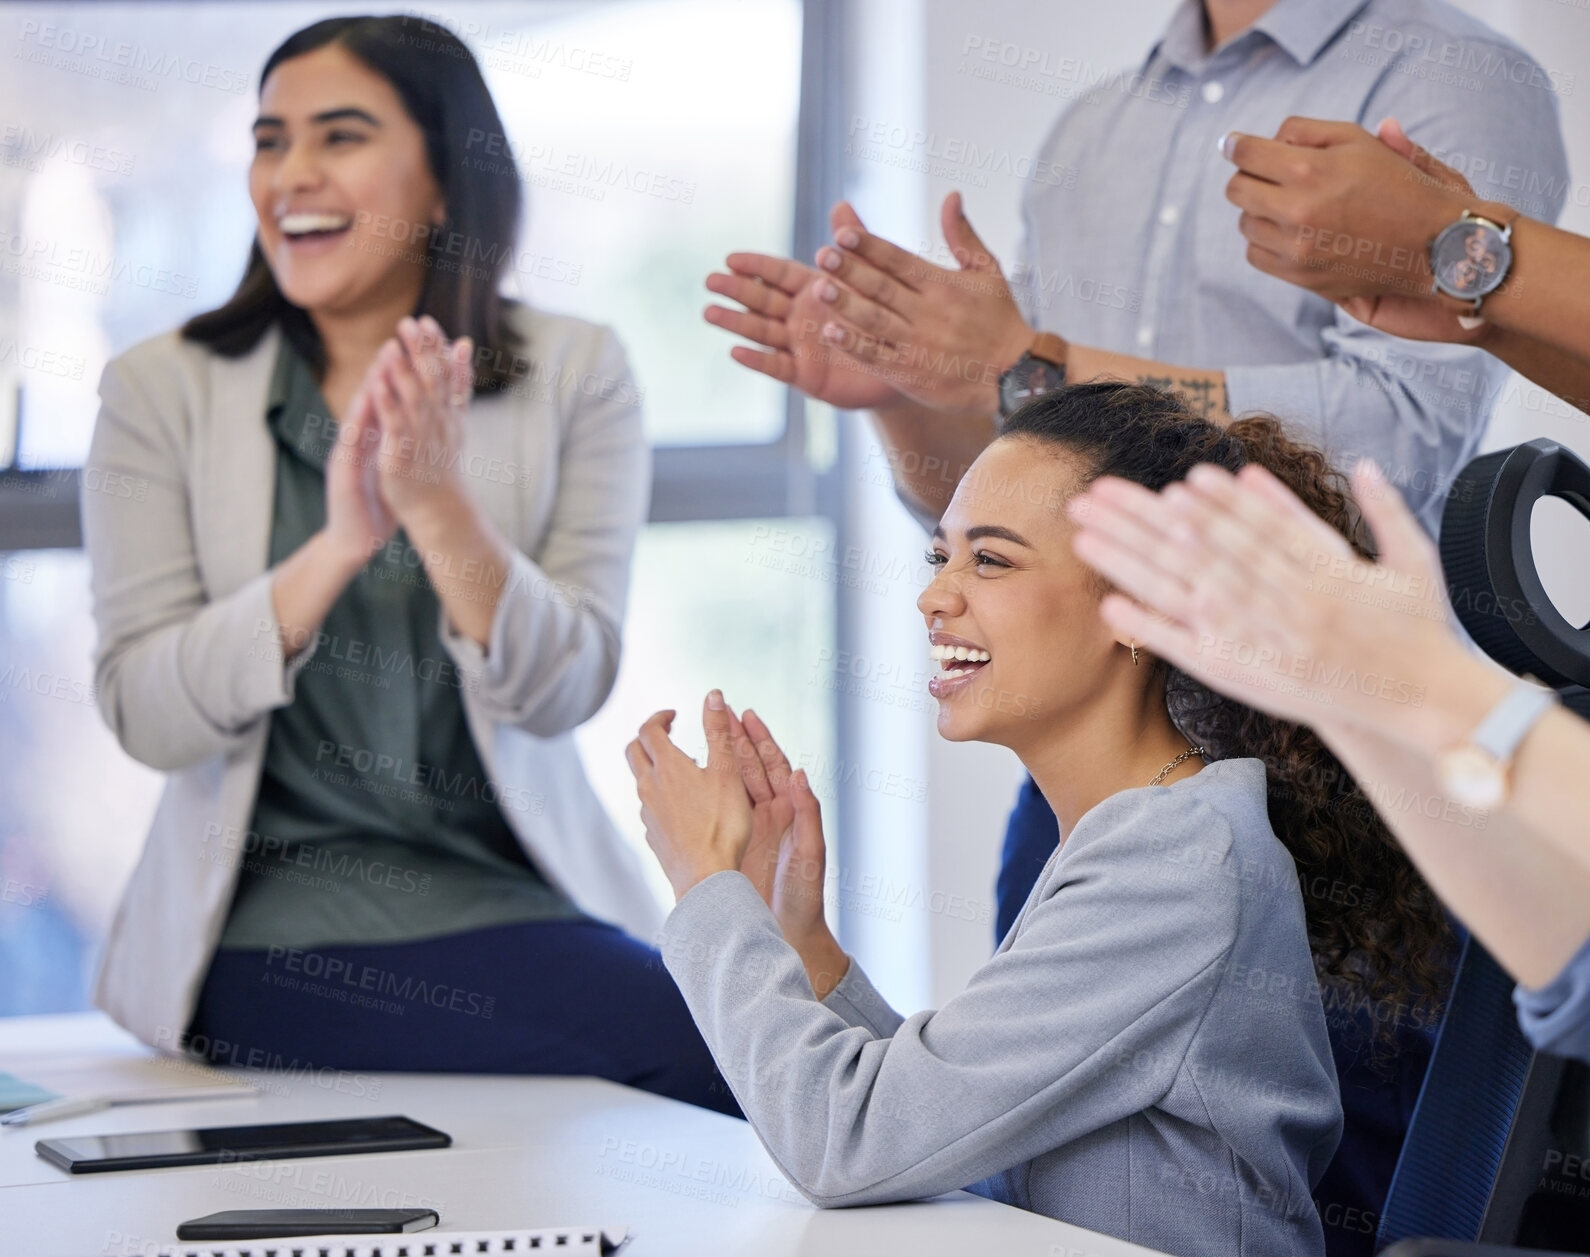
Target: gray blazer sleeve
[[553, 651], [178, 677], [857, 1001], [1082, 1022]]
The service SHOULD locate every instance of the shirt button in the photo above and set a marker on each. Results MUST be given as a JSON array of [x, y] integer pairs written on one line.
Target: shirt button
[[1169, 215], [1212, 92], [1145, 337]]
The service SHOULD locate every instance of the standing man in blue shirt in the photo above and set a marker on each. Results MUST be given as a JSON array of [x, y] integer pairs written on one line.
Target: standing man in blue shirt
[[1132, 265]]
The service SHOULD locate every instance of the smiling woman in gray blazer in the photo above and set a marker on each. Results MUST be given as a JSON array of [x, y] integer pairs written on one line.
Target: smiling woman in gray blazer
[[368, 575]]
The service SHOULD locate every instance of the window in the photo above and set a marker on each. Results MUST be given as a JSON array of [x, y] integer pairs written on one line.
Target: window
[[651, 139]]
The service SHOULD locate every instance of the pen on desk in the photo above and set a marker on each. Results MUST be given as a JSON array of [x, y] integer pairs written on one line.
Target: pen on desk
[[49, 1110]]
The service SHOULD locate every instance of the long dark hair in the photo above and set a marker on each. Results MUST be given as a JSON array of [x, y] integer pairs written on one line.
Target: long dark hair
[[1374, 925], [441, 87]]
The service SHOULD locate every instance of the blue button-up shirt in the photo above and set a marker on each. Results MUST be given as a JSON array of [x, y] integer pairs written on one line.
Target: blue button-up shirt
[[1130, 244], [1556, 1017]]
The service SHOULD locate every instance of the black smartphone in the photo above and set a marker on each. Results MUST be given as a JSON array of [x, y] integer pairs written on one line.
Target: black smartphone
[[266, 1224], [156, 1149]]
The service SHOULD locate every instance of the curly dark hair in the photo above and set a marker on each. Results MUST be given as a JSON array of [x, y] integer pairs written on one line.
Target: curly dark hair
[[1377, 931]]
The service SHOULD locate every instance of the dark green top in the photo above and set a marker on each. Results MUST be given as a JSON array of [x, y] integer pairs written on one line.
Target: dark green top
[[375, 820]]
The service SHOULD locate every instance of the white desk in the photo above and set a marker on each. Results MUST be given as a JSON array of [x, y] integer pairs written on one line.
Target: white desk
[[526, 1152]]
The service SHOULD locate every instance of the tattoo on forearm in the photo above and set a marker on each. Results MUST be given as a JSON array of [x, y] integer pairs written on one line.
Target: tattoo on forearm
[[1199, 394], [1205, 397]]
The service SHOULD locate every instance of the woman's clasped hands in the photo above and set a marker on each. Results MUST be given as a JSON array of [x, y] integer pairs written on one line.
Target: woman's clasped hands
[[748, 811], [397, 449]]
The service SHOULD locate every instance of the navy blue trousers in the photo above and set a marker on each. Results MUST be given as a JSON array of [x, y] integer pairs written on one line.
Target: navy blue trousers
[[544, 997], [1378, 1095]]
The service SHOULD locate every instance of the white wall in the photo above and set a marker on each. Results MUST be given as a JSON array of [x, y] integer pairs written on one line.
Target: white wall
[[1558, 36], [889, 727], [933, 108]]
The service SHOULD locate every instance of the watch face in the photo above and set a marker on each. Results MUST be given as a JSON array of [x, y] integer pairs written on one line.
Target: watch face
[[1030, 377], [1469, 259], [1472, 777]]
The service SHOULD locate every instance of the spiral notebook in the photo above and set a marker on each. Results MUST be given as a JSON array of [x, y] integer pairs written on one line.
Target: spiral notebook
[[572, 1241]]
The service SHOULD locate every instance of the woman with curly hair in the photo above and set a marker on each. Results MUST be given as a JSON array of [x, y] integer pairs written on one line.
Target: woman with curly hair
[[1146, 1054]]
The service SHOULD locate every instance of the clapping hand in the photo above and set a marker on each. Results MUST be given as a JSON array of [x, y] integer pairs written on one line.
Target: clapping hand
[[420, 386], [1413, 316], [940, 335], [1234, 581], [698, 819], [784, 314], [745, 810], [358, 519], [1350, 216], [397, 445], [786, 860]]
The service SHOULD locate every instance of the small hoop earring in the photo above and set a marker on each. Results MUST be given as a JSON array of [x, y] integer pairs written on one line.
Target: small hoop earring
[[1134, 654]]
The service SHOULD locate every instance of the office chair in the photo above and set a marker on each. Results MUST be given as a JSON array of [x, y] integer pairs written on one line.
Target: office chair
[[1465, 1111], [1484, 1117]]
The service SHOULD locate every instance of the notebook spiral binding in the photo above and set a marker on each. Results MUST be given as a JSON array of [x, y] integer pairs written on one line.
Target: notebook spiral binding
[[549, 1242]]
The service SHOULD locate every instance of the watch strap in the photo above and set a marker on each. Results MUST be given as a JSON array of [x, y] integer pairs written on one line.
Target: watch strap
[[1510, 721], [1049, 347], [1498, 212]]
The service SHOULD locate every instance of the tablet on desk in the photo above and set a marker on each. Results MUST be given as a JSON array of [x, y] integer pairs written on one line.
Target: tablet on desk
[[158, 1149]]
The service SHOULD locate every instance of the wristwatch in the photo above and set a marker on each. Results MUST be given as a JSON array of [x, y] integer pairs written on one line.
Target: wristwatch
[[1040, 370], [1476, 770], [1470, 258]]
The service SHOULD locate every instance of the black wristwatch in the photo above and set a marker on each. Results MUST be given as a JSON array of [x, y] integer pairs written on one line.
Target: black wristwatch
[[1040, 370], [1470, 258]]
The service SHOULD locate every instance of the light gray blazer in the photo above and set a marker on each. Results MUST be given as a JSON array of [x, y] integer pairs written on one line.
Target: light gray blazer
[[188, 666], [1145, 1055]]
